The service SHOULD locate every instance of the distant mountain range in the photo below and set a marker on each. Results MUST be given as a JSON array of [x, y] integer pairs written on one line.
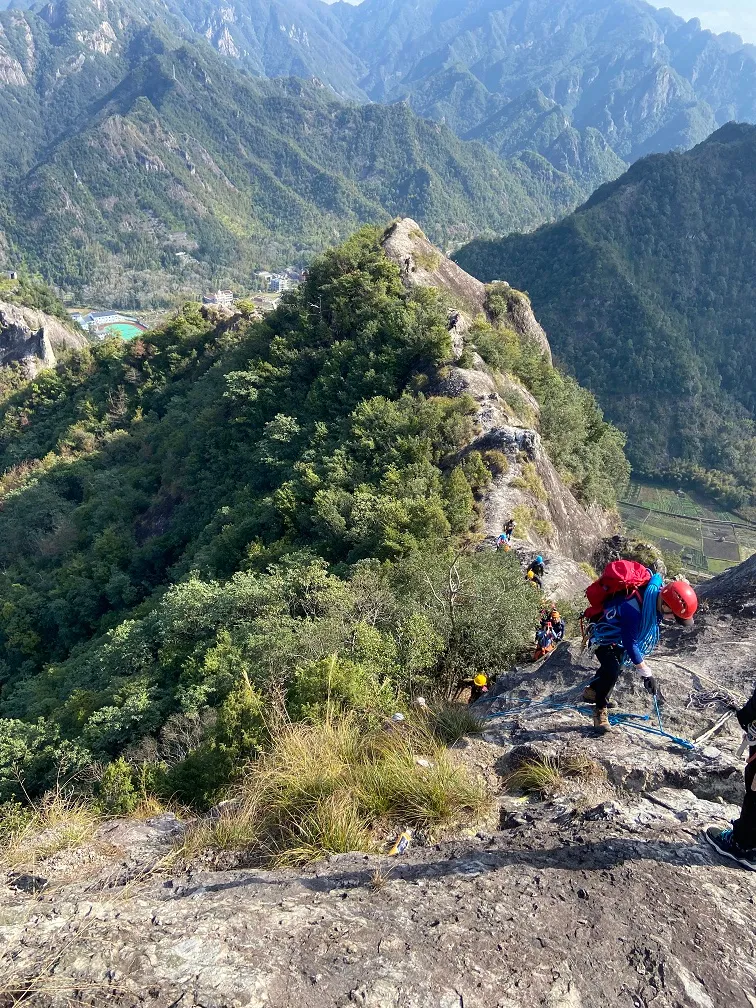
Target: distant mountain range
[[135, 130], [588, 84], [648, 293], [124, 145]]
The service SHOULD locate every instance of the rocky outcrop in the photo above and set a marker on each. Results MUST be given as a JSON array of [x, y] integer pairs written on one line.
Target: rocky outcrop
[[599, 892], [426, 266], [737, 586], [552, 521], [31, 338]]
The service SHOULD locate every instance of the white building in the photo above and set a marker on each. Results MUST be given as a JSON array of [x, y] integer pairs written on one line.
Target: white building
[[279, 284], [224, 298]]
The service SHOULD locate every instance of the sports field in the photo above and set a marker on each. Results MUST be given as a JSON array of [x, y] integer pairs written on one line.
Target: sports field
[[695, 528], [123, 329]]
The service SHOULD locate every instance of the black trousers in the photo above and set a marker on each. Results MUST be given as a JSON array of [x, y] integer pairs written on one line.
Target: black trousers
[[744, 828], [610, 658]]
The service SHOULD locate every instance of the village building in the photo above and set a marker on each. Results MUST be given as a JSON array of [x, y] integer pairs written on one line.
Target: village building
[[222, 298]]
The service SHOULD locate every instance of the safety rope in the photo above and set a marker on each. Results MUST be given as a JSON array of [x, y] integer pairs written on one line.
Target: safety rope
[[608, 630], [623, 719]]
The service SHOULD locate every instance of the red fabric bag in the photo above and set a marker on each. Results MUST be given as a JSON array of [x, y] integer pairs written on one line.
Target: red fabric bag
[[621, 577]]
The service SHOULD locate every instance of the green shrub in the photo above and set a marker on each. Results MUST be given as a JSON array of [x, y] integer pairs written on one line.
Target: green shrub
[[531, 482], [476, 472], [543, 527], [496, 462], [429, 260], [497, 346], [524, 517], [116, 794]]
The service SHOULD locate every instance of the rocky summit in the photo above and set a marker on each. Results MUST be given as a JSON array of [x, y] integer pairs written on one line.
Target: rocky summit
[[598, 892]]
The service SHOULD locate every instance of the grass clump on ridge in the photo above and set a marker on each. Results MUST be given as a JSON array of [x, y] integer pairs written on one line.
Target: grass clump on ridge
[[451, 722], [341, 786], [57, 822], [547, 775]]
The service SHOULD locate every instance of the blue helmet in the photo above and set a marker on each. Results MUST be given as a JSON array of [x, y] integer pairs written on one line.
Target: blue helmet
[[539, 559]]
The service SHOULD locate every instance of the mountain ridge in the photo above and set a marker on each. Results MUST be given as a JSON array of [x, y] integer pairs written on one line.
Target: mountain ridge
[[659, 258]]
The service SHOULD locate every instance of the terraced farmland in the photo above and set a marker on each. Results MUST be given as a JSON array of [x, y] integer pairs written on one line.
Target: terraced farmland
[[708, 539]]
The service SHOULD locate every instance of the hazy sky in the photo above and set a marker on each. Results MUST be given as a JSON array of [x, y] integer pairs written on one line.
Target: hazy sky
[[719, 15]]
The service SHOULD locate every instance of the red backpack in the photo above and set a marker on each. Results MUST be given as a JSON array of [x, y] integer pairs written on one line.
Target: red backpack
[[621, 577]]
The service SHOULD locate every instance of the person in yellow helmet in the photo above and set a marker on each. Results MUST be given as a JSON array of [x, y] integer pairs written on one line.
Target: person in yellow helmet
[[479, 687]]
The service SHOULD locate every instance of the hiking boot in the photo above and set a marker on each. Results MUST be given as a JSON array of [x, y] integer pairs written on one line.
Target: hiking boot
[[601, 721], [589, 695], [722, 842]]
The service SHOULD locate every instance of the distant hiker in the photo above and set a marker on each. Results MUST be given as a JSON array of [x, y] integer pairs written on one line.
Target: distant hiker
[[628, 603], [536, 571], [453, 320], [408, 265], [557, 624], [545, 641], [503, 542], [739, 842], [479, 687]]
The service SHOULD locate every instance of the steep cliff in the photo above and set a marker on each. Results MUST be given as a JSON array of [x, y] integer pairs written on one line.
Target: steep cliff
[[507, 419], [31, 338]]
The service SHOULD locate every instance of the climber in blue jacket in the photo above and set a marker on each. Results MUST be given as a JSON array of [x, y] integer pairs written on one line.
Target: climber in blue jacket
[[621, 638]]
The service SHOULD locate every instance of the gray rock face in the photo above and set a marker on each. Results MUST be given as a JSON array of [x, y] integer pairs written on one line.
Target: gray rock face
[[429, 267], [506, 418], [601, 893], [31, 338]]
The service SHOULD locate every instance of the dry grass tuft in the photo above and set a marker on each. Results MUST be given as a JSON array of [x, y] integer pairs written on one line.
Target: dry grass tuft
[[339, 787], [379, 879], [548, 775], [55, 823]]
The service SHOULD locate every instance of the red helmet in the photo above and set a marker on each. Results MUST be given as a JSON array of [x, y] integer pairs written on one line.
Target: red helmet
[[681, 599]]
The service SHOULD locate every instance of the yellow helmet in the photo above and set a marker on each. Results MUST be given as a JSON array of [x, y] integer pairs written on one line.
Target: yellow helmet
[[555, 615], [480, 680], [531, 575]]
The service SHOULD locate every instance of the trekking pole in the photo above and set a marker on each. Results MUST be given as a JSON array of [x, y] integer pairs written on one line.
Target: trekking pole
[[708, 735], [658, 712]]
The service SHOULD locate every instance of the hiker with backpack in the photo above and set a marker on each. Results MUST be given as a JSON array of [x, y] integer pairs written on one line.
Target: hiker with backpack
[[627, 605], [536, 571], [545, 641], [739, 843]]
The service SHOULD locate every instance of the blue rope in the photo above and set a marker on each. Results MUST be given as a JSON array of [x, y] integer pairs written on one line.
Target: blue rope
[[627, 720], [610, 632]]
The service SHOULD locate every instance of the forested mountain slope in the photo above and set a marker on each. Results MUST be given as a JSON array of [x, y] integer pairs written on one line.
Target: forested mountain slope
[[189, 154], [648, 294], [149, 164], [194, 522], [644, 78]]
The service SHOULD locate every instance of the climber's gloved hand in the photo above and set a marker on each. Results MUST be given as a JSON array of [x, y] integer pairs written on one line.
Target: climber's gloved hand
[[649, 682]]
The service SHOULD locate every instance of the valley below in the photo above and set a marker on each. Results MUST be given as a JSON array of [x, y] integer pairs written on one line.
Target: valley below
[[346, 352]]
